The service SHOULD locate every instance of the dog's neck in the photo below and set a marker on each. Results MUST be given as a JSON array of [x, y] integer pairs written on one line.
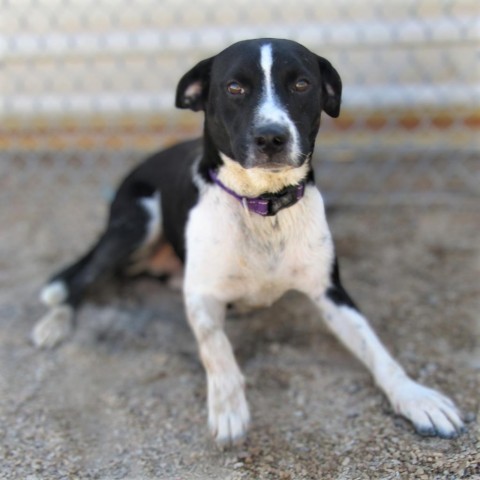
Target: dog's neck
[[256, 181], [266, 205]]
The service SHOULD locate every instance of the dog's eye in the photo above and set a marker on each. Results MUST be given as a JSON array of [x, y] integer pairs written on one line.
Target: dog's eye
[[301, 85], [235, 88]]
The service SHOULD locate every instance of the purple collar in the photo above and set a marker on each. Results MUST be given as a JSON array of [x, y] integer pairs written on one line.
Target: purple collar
[[267, 204]]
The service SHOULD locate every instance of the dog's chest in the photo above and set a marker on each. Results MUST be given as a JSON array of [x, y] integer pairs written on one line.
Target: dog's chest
[[237, 255]]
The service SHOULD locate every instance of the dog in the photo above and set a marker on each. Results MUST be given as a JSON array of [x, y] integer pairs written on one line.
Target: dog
[[239, 209]]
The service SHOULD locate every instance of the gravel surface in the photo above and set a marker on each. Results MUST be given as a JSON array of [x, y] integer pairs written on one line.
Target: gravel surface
[[125, 398]]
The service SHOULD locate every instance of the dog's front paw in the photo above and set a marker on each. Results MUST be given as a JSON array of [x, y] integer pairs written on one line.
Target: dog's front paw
[[53, 328], [228, 413], [431, 413]]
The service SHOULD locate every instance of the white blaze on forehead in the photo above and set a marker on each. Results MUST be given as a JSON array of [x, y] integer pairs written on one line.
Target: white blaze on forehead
[[270, 109], [266, 61]]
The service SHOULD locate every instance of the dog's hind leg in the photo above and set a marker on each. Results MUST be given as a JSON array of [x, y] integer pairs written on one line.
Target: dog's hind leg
[[134, 227], [56, 291], [57, 323]]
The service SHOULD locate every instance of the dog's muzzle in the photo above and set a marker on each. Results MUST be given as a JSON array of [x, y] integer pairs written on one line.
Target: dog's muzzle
[[272, 147]]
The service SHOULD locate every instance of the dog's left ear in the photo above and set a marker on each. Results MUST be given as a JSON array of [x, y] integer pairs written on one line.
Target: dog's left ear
[[331, 88], [192, 89]]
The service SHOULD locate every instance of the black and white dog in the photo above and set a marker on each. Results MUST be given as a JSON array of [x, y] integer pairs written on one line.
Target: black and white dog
[[240, 208]]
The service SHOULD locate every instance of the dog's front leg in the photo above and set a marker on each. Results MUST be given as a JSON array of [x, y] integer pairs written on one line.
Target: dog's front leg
[[228, 413], [430, 412]]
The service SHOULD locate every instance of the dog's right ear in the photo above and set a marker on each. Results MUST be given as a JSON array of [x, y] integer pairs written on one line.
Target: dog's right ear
[[192, 89]]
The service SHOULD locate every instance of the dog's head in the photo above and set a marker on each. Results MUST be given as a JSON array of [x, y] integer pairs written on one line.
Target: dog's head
[[262, 100]]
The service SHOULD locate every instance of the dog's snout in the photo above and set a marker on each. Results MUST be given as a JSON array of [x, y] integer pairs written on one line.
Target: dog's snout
[[271, 139]]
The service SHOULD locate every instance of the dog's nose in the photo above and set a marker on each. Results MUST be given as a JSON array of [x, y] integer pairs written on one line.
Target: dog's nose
[[271, 139]]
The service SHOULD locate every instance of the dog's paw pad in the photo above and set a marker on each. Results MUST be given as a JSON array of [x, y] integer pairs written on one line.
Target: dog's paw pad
[[431, 413], [54, 293], [53, 328]]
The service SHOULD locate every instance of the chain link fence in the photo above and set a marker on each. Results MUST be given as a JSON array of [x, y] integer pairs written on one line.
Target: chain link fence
[[87, 88]]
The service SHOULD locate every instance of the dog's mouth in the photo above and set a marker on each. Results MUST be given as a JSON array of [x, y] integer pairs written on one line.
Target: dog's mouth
[[273, 163], [275, 167]]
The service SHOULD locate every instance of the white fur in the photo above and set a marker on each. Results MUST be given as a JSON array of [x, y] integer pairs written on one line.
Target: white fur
[[192, 91], [228, 413], [153, 207], [54, 327], [236, 256], [139, 260], [54, 294], [270, 110], [252, 182], [427, 409]]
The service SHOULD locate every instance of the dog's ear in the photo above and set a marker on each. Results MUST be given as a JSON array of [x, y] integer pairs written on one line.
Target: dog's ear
[[331, 88], [192, 89]]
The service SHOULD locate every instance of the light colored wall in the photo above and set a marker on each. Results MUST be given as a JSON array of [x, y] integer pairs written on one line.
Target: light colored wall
[[89, 57]]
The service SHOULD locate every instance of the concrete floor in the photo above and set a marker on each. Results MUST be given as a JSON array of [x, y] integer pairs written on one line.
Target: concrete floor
[[125, 397]]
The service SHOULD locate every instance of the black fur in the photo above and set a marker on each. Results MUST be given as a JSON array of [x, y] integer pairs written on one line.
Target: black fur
[[110, 253], [227, 128], [337, 292], [230, 119], [171, 173]]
